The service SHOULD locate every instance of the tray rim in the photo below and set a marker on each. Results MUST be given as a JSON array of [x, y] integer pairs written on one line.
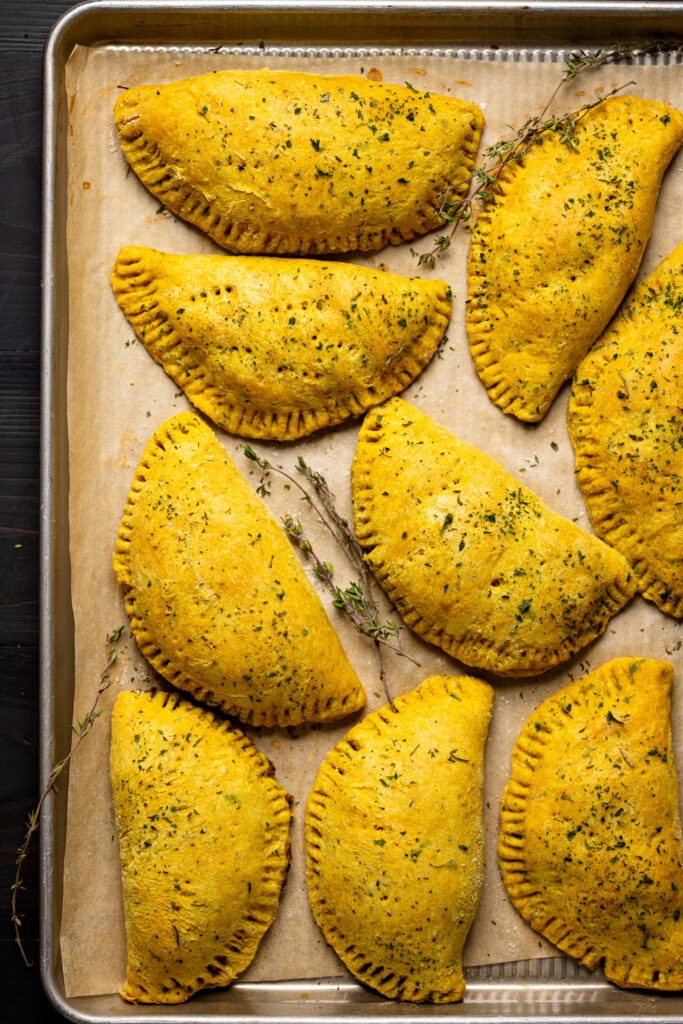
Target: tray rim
[[51, 528]]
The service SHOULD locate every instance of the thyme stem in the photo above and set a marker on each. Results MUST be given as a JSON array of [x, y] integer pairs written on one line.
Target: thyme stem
[[357, 601], [84, 727], [486, 177]]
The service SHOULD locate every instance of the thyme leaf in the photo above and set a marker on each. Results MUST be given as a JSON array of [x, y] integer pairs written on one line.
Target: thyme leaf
[[356, 600], [482, 185]]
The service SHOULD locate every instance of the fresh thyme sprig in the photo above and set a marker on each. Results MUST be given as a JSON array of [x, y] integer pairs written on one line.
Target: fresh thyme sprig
[[353, 601], [483, 183], [84, 727], [357, 600]]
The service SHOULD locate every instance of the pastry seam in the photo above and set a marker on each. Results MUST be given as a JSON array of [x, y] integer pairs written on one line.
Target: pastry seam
[[191, 204], [168, 349], [259, 914], [535, 659], [164, 666], [523, 894]]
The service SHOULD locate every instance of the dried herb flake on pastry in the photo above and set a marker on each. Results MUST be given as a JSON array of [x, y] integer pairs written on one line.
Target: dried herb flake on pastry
[[277, 348], [204, 845], [394, 840], [285, 162], [590, 834], [552, 257], [218, 602], [625, 422], [474, 562]]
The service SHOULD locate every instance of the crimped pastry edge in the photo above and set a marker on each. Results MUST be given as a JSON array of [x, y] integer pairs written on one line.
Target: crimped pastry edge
[[259, 914], [488, 369], [242, 237], [522, 893], [376, 976], [168, 349], [312, 711], [602, 501], [468, 649]]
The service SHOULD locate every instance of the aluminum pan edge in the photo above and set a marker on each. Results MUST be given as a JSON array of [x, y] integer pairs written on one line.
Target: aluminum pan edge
[[547, 24], [98, 21]]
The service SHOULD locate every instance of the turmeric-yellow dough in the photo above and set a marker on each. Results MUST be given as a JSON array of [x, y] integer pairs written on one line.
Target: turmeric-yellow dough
[[288, 162], [204, 842], [625, 421], [218, 602], [590, 835], [277, 348], [474, 562], [394, 839], [552, 256]]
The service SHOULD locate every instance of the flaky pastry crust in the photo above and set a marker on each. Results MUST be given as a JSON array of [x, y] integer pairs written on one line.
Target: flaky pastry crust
[[218, 602], [551, 258], [625, 421], [204, 843], [287, 162], [277, 348], [394, 839], [474, 562], [590, 835]]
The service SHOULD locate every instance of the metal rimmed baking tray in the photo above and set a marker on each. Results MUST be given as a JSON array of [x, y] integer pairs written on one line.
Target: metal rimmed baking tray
[[539, 990]]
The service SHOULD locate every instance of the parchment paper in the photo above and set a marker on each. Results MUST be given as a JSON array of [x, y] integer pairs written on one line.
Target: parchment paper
[[118, 396]]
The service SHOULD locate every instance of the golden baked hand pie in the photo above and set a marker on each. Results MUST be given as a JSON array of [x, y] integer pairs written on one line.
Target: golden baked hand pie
[[284, 162], [204, 841], [625, 422], [474, 562], [551, 258], [218, 602], [277, 348], [590, 835], [394, 839]]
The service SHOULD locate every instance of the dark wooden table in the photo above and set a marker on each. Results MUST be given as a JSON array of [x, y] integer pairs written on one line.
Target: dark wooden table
[[23, 29]]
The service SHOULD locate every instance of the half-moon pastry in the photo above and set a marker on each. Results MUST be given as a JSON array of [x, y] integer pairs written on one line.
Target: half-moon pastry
[[277, 348], [204, 843], [218, 602], [474, 562], [625, 422], [590, 834], [551, 258], [394, 839], [286, 162]]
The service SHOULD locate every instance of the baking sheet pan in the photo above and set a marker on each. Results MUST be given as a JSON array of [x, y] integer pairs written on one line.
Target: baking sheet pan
[[543, 32]]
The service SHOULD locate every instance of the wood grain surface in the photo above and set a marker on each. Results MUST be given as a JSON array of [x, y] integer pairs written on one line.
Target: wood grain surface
[[23, 29]]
